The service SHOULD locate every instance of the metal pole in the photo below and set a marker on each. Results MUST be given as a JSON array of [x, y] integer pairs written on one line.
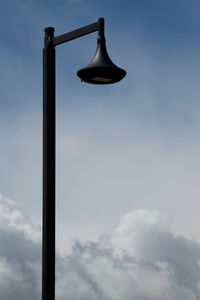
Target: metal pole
[[48, 235], [49, 142]]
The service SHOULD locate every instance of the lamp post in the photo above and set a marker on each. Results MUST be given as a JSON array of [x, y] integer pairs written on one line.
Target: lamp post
[[101, 70]]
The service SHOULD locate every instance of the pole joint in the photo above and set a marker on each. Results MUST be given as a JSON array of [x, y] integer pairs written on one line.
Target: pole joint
[[49, 37], [101, 29]]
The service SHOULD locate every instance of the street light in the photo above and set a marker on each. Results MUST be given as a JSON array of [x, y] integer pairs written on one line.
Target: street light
[[101, 70]]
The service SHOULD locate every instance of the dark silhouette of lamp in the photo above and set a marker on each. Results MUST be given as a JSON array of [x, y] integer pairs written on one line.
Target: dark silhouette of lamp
[[101, 70]]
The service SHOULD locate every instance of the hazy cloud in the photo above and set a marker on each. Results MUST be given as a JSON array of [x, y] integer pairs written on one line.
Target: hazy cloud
[[20, 253], [141, 259]]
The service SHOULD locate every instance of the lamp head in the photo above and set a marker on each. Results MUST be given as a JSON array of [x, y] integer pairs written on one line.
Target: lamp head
[[101, 70]]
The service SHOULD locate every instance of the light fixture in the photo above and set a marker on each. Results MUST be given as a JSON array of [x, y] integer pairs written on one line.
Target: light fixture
[[101, 70]]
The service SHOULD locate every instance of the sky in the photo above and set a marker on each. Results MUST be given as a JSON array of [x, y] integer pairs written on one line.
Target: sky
[[128, 166]]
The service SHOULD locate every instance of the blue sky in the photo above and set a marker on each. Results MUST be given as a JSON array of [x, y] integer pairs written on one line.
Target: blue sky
[[120, 148], [149, 118]]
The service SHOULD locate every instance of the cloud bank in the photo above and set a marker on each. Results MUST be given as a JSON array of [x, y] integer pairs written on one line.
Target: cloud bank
[[142, 258]]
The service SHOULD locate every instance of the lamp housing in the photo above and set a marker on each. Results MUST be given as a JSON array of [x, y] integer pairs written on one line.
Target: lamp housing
[[101, 70]]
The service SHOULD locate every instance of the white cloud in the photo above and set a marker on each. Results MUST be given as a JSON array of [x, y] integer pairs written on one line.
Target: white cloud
[[20, 247], [144, 259], [148, 237]]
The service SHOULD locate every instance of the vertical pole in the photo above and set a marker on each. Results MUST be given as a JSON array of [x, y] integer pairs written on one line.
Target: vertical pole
[[101, 37], [48, 234], [101, 26]]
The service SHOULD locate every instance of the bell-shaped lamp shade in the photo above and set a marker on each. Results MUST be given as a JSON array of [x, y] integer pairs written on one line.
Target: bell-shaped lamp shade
[[101, 70]]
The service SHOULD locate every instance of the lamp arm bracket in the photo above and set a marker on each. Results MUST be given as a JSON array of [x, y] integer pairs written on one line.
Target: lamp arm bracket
[[75, 34]]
